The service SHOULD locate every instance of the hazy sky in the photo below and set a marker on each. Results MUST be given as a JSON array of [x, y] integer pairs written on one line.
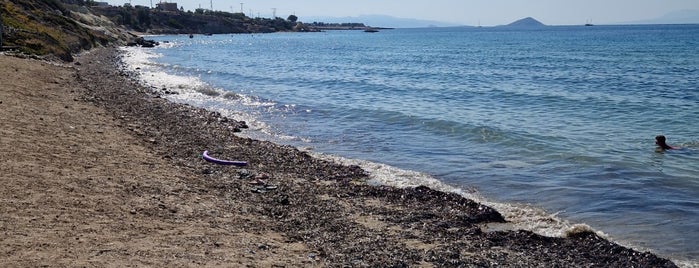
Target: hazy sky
[[467, 12]]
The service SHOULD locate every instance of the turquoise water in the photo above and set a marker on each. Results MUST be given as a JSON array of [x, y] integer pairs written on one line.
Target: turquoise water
[[561, 118]]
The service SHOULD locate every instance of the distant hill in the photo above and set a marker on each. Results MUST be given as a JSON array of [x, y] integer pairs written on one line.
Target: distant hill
[[380, 21], [527, 22]]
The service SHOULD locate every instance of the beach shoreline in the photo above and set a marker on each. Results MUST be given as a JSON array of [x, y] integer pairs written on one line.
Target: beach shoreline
[[104, 171]]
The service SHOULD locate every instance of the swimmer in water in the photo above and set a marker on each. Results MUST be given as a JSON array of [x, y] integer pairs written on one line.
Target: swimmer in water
[[660, 141]]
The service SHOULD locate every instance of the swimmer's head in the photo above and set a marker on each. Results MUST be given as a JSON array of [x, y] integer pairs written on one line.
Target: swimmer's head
[[660, 141]]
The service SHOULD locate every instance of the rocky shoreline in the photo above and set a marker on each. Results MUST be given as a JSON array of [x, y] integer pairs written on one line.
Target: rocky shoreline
[[328, 206], [318, 213]]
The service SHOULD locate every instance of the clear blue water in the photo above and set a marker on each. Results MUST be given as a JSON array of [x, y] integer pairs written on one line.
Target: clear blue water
[[562, 118]]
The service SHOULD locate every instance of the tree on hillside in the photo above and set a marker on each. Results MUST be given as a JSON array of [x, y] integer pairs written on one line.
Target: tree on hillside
[[143, 17]]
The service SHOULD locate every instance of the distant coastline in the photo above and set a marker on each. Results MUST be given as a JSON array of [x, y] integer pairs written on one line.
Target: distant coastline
[[344, 27]]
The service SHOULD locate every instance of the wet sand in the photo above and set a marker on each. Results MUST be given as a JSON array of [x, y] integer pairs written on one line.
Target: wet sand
[[98, 170]]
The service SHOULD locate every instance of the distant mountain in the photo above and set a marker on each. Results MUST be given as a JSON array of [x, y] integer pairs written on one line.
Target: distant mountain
[[380, 21], [687, 16], [527, 22]]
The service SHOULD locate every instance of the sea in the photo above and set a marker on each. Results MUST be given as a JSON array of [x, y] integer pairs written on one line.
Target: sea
[[552, 126]]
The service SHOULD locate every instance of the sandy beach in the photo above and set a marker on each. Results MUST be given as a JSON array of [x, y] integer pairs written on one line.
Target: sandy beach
[[99, 171]]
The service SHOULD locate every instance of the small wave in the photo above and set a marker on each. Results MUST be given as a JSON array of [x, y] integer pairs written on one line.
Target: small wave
[[508, 164], [519, 216], [194, 91], [191, 89]]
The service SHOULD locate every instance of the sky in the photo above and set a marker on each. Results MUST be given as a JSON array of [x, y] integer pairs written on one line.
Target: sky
[[463, 12]]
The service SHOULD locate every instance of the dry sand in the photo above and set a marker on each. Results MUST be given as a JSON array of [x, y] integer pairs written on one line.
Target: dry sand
[[79, 190], [98, 171]]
